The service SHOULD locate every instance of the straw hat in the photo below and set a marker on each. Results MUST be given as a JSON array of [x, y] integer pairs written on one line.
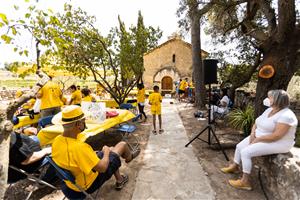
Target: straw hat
[[68, 115]]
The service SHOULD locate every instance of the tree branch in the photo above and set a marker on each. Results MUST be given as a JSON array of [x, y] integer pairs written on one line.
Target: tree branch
[[270, 14]]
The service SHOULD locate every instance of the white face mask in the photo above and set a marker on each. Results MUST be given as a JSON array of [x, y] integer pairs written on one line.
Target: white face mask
[[266, 102]]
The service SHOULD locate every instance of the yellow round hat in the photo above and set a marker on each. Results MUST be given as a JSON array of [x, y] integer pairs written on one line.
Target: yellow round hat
[[68, 115]]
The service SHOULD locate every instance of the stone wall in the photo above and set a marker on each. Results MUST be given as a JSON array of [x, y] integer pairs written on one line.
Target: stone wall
[[280, 175]]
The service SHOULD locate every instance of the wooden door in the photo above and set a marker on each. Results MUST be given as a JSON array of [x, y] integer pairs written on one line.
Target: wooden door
[[167, 83]]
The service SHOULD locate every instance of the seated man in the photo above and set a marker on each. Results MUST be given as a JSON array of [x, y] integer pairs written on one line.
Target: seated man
[[25, 153], [89, 168]]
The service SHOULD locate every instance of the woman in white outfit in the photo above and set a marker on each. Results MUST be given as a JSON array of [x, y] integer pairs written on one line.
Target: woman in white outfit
[[272, 133], [223, 106]]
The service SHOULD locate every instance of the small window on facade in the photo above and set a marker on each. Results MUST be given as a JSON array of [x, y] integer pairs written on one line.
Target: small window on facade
[[173, 59]]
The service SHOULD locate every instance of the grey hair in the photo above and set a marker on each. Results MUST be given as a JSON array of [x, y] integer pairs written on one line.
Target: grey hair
[[281, 98]]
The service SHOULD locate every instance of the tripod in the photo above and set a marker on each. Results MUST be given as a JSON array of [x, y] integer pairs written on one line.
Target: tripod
[[209, 128]]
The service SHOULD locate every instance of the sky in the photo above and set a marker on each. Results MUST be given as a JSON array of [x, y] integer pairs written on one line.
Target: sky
[[156, 13]]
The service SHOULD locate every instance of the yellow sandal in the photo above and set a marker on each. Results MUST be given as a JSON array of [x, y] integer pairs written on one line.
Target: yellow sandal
[[229, 170], [239, 184]]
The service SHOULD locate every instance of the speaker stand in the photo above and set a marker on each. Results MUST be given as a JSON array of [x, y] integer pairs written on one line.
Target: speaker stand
[[210, 130]]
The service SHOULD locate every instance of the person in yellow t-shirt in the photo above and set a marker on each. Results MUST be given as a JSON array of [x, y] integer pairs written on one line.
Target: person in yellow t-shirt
[[86, 95], [89, 168], [76, 96], [51, 98], [155, 100], [182, 86], [141, 100]]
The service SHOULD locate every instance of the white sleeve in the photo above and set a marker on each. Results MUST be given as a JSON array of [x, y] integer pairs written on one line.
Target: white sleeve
[[225, 99], [289, 118]]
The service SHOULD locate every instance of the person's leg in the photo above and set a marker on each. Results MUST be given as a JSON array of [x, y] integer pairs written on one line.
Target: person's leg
[[140, 110], [122, 149], [234, 166], [143, 112], [260, 149], [159, 119], [154, 122], [118, 176]]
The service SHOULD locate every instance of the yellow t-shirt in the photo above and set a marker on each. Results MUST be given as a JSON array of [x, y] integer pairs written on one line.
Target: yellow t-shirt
[[87, 98], [51, 95], [141, 96], [76, 97], [77, 157], [155, 100], [183, 85]]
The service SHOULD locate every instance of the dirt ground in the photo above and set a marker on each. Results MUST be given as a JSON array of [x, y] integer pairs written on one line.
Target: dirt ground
[[20, 189], [212, 160]]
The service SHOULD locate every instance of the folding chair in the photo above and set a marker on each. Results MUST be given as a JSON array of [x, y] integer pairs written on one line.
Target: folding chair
[[43, 122], [128, 129], [31, 177], [66, 175]]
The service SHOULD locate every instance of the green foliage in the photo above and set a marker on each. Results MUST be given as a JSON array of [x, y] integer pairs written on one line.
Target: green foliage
[[242, 119], [230, 73], [80, 47], [130, 45]]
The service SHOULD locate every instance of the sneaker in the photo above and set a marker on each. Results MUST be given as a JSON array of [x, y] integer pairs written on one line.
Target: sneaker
[[120, 185]]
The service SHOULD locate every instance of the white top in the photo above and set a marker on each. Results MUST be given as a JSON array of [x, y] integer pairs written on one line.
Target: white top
[[225, 99], [266, 125]]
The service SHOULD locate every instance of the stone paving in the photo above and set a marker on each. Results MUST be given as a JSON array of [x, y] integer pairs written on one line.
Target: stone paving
[[170, 170]]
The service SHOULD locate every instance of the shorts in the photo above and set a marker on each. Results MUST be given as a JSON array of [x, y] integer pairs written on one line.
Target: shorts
[[156, 111], [113, 166], [181, 91]]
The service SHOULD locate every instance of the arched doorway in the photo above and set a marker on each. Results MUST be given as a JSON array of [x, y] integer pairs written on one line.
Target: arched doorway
[[167, 83]]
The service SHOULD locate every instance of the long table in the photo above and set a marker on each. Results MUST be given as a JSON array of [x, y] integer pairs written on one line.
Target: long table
[[111, 103], [48, 134]]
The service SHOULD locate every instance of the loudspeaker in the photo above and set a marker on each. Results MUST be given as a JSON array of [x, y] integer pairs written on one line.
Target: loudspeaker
[[210, 71]]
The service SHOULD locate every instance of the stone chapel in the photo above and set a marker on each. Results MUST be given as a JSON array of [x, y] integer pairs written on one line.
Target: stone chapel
[[167, 63]]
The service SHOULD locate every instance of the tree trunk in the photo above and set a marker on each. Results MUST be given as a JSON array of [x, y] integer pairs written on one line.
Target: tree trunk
[[6, 127], [4, 157], [284, 65], [197, 63]]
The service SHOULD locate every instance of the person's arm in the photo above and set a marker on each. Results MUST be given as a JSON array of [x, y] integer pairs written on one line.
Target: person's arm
[[103, 163], [280, 130], [35, 156], [39, 94]]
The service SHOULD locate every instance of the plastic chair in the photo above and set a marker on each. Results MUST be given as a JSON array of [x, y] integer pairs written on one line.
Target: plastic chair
[[30, 176], [43, 122], [66, 175]]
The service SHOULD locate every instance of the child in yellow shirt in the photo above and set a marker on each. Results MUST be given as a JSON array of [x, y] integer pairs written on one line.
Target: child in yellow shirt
[[155, 100], [141, 100]]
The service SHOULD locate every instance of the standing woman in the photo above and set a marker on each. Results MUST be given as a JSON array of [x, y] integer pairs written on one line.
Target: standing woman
[[141, 100], [273, 133]]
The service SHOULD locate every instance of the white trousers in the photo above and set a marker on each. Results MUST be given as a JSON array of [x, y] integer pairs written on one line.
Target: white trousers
[[216, 109], [244, 151]]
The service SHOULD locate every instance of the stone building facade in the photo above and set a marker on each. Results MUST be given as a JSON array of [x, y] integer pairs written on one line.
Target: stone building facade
[[168, 63]]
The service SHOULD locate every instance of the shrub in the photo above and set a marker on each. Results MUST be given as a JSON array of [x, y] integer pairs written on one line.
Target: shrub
[[242, 119]]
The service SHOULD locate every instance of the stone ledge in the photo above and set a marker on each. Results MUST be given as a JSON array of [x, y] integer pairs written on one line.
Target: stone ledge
[[281, 175]]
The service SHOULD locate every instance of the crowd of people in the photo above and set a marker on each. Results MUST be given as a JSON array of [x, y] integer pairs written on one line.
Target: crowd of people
[[273, 132]]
